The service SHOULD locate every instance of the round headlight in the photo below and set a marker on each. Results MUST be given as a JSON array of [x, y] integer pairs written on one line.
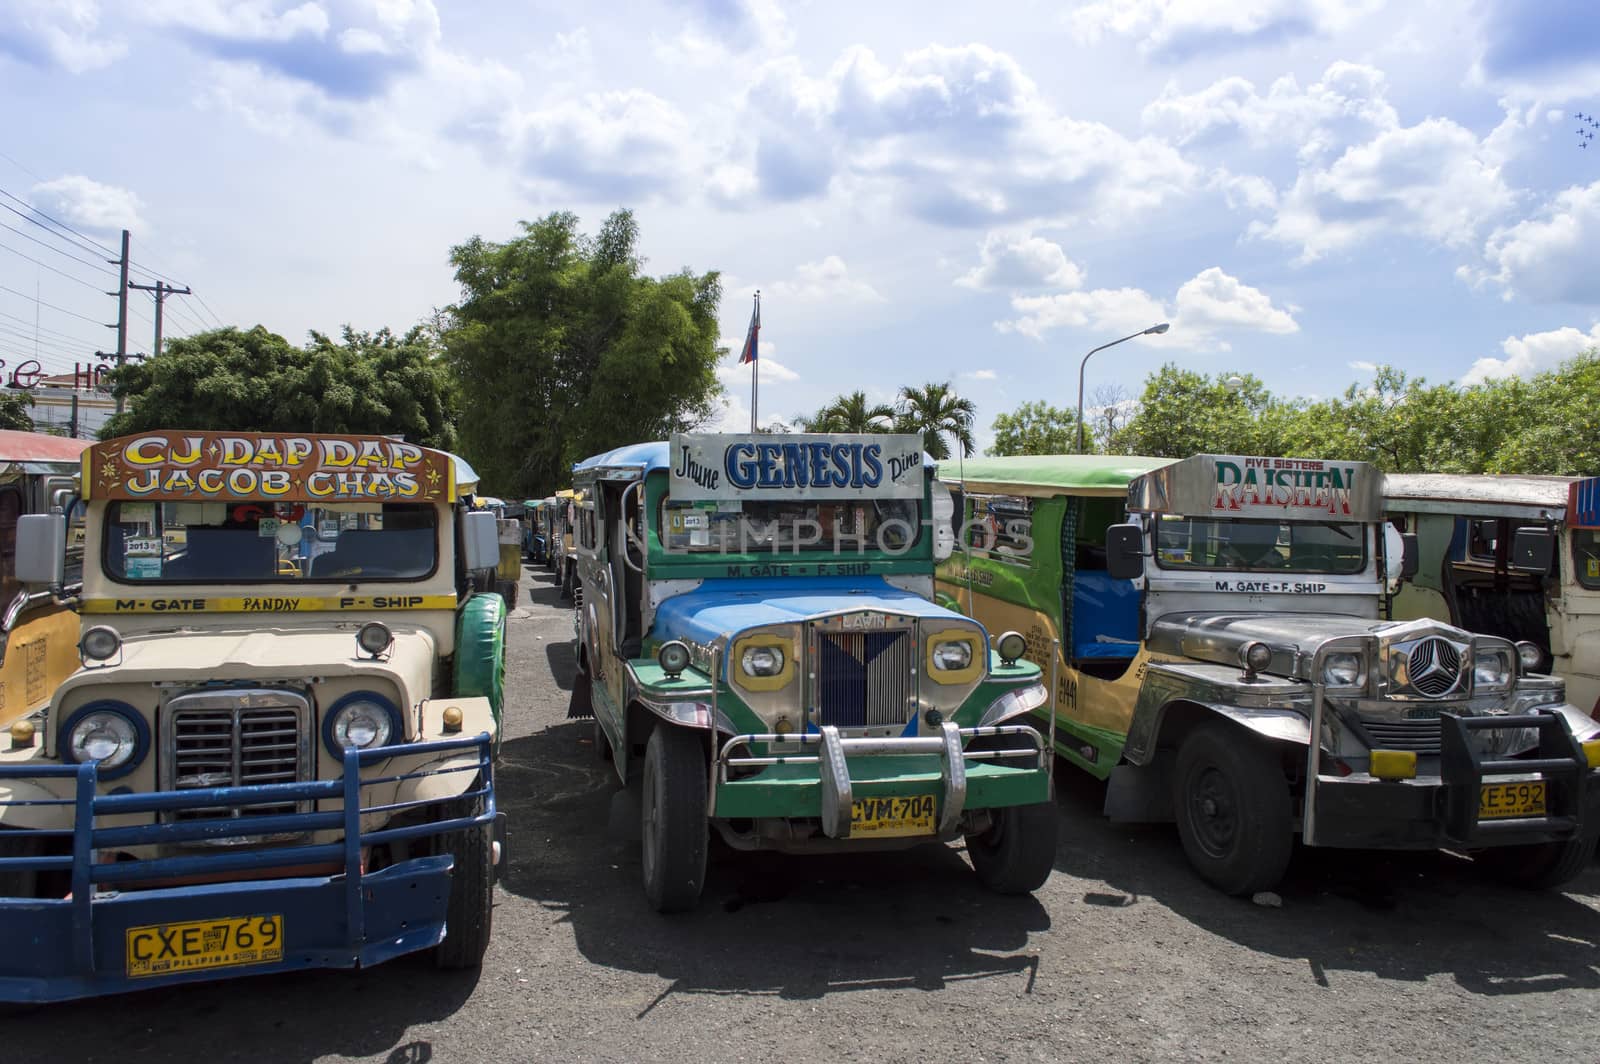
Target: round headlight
[[374, 637], [100, 643], [111, 736], [1490, 669], [1529, 656], [1011, 646], [673, 656], [952, 656], [1341, 670], [762, 661], [1256, 656], [362, 721]]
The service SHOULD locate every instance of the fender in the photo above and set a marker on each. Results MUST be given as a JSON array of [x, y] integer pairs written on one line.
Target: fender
[[43, 817], [440, 784]]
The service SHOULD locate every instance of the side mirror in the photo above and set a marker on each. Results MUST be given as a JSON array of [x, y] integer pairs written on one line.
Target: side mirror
[[1533, 550], [1410, 559], [41, 549], [480, 540], [944, 533], [1125, 551]]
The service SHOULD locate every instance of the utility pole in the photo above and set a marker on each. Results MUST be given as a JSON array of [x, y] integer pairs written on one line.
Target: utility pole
[[162, 291], [121, 293]]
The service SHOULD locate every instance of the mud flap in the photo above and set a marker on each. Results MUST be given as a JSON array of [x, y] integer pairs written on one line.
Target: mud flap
[[1141, 794], [579, 706]]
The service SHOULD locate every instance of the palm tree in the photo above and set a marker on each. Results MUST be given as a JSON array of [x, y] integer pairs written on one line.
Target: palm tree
[[851, 413], [936, 411]]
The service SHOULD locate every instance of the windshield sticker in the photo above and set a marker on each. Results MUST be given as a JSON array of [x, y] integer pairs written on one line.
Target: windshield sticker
[[731, 466], [1273, 587], [185, 467]]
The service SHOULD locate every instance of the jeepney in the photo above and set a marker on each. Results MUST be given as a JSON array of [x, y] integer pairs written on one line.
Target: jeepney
[[563, 548], [759, 650], [1208, 617], [534, 523], [276, 750], [1515, 556], [38, 634]]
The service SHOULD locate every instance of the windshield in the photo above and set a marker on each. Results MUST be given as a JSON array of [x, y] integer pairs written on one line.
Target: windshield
[[261, 541], [1586, 556], [835, 526], [1335, 547]]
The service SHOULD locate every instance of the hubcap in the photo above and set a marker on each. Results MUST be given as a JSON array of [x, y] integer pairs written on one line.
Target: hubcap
[[1214, 812]]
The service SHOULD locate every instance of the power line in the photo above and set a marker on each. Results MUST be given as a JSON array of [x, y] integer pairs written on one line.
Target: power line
[[51, 247], [91, 247], [49, 332], [209, 311], [56, 222], [52, 269], [9, 336], [52, 306]]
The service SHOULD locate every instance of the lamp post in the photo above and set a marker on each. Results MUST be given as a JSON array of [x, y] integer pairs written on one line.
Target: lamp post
[[1154, 330]]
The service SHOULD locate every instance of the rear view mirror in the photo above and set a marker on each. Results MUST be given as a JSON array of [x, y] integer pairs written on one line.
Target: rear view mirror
[[1410, 562], [480, 540], [944, 533], [41, 549], [1533, 550], [1125, 551]]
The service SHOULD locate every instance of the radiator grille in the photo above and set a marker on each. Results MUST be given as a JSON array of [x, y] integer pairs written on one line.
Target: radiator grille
[[237, 739], [1420, 735], [865, 679]]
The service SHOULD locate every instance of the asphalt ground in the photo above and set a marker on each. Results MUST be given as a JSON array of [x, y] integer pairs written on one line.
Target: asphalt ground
[[1123, 955]]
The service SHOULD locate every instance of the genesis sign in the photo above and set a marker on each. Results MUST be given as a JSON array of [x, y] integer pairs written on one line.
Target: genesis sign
[[799, 466]]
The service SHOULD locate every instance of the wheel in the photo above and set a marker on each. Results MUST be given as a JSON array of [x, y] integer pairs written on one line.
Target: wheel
[[1018, 851], [1233, 809], [469, 916], [673, 819], [1540, 865], [480, 659]]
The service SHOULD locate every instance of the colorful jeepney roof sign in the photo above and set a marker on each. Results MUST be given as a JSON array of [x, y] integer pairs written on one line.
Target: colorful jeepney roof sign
[[1583, 503], [199, 466], [796, 466], [1240, 486]]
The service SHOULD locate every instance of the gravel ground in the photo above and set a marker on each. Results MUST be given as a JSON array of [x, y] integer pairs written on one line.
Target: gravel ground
[[1123, 955]]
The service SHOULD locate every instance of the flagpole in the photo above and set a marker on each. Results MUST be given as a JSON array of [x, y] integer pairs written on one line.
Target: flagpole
[[755, 366]]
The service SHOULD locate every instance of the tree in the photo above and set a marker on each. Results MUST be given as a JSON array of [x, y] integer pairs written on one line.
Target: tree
[[1183, 413], [1036, 427], [14, 406], [936, 411], [561, 349], [1554, 420], [851, 413], [256, 381]]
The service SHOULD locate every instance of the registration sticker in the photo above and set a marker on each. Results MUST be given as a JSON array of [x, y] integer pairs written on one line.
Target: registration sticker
[[228, 942], [887, 818], [1499, 801]]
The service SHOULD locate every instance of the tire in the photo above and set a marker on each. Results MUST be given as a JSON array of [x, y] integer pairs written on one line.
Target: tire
[[469, 916], [672, 819], [1541, 865], [480, 663], [1233, 809], [1017, 853]]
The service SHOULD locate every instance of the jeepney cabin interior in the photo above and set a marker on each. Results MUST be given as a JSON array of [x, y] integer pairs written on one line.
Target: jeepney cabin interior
[[1099, 616], [620, 510], [1483, 592]]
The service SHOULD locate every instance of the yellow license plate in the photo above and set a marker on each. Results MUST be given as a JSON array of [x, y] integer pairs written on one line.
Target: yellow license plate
[[886, 818], [1497, 801], [164, 949]]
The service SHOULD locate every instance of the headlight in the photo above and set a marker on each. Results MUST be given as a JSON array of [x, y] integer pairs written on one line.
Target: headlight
[[100, 643], [953, 655], [1256, 656], [110, 734], [673, 656], [1342, 670], [362, 720], [1529, 656], [1491, 670], [762, 661], [374, 637], [1013, 703], [1010, 646], [1503, 742]]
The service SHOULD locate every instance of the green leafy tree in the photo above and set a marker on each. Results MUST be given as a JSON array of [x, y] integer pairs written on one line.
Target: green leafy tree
[[256, 381], [936, 411], [851, 413], [562, 348], [14, 407], [1554, 421], [1036, 427], [1182, 412]]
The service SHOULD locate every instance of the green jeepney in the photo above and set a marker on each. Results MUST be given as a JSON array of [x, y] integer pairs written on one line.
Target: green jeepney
[[760, 650]]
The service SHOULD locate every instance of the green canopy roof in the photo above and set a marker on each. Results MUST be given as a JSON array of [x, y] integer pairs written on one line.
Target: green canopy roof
[[1050, 474]]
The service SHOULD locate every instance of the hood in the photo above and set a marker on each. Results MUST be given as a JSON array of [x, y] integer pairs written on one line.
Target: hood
[[722, 608], [1217, 637]]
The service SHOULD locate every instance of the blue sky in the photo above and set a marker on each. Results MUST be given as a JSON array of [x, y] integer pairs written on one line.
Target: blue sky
[[981, 193]]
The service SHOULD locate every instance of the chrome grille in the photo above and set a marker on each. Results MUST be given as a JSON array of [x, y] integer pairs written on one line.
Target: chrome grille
[[865, 679], [236, 738], [1417, 734], [1433, 667]]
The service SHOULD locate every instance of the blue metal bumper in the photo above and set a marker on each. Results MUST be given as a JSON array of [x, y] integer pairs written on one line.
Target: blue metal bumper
[[56, 949]]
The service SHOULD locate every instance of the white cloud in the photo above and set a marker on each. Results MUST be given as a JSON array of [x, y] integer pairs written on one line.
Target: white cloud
[[827, 279], [1533, 353], [63, 33], [981, 375], [1020, 260], [1179, 28], [613, 144], [88, 204], [733, 374], [1551, 257], [1361, 365], [1206, 310]]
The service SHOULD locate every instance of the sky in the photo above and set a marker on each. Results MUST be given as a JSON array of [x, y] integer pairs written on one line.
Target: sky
[[979, 193]]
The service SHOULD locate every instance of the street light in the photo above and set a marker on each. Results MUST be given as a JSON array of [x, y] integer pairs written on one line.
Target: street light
[[1154, 330]]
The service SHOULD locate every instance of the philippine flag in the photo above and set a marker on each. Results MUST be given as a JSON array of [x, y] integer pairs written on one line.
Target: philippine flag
[[752, 337]]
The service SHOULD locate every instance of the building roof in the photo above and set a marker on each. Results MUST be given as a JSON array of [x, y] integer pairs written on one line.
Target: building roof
[[16, 446], [1050, 474]]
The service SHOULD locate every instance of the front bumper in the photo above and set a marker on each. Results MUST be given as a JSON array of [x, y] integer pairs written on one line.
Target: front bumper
[[81, 945], [832, 772], [1443, 809]]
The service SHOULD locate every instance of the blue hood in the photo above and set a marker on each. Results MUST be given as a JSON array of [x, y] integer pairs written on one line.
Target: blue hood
[[721, 608]]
